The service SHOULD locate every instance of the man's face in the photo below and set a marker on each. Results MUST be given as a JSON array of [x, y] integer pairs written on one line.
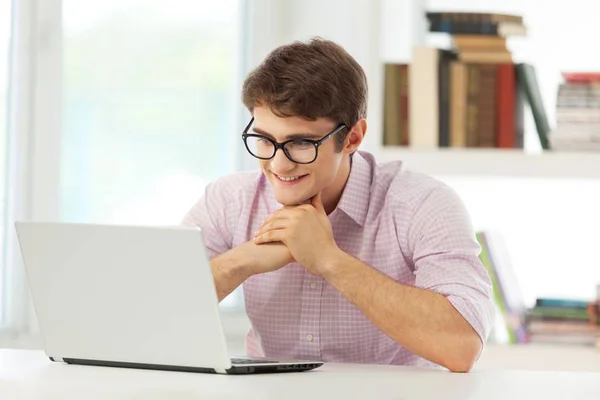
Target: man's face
[[294, 183]]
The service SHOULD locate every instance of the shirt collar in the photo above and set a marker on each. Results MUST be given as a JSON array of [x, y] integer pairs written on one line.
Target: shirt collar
[[356, 196]]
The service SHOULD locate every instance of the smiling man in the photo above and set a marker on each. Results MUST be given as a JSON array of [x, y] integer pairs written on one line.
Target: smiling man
[[341, 259]]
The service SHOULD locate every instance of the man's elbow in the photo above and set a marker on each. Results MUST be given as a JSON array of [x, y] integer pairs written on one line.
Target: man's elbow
[[463, 357]]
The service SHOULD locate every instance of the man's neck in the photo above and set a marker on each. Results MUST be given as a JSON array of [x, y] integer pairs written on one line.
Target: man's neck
[[332, 195]]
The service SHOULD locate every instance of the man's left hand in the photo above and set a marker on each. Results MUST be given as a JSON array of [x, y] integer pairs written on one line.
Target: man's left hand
[[306, 232]]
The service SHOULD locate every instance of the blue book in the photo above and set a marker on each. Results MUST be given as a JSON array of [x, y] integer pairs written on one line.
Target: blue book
[[561, 303]]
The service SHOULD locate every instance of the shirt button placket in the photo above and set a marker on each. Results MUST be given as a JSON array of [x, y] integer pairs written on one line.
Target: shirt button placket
[[310, 317]]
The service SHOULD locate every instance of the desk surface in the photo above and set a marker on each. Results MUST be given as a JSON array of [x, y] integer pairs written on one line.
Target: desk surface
[[27, 374]]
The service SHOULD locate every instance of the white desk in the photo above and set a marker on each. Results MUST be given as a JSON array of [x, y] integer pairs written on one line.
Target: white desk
[[27, 374]]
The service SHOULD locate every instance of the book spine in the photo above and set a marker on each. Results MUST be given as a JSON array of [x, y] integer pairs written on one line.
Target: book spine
[[473, 87], [519, 116], [404, 124], [487, 106], [505, 116], [458, 104], [465, 28], [563, 303], [444, 98]]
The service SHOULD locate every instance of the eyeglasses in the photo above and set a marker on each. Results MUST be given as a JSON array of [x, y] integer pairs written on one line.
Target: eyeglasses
[[300, 151]]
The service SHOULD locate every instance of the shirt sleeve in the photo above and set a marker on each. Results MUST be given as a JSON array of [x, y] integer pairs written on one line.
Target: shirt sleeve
[[446, 258], [209, 214]]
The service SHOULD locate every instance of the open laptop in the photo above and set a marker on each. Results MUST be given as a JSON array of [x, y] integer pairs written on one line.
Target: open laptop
[[130, 296]]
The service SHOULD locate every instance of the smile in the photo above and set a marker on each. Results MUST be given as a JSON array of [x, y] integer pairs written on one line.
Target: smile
[[289, 178]]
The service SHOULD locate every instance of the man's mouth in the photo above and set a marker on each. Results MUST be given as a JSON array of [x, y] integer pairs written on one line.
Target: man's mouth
[[289, 179]]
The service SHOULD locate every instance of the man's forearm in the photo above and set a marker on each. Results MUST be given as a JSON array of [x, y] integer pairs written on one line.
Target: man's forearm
[[229, 272], [422, 321]]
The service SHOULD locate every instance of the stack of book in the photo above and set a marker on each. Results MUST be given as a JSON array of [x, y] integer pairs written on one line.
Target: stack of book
[[563, 321], [550, 320], [478, 37], [470, 95], [578, 113]]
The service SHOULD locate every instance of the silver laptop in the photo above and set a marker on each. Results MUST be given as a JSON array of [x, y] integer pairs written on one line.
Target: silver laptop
[[127, 296]]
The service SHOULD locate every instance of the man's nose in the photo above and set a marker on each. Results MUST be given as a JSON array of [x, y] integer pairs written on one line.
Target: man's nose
[[280, 163]]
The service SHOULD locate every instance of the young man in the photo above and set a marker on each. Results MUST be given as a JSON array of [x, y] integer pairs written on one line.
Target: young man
[[341, 259]]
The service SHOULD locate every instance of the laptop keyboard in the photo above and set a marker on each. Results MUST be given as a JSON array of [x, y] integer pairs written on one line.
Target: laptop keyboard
[[249, 361]]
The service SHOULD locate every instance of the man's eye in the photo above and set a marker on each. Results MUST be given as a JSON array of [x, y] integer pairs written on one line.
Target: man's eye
[[301, 144]]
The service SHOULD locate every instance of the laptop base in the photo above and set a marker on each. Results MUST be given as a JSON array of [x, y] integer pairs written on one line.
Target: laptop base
[[234, 370]]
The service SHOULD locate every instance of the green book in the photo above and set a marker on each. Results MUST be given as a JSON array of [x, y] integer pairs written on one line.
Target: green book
[[560, 312], [484, 256], [528, 84]]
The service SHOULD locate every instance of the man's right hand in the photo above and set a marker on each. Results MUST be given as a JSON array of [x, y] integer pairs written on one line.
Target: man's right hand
[[266, 257], [232, 268]]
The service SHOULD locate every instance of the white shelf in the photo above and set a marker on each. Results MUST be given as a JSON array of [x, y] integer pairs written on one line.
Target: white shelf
[[496, 162]]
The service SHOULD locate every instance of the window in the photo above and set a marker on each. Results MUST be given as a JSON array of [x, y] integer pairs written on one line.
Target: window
[[150, 101], [5, 30]]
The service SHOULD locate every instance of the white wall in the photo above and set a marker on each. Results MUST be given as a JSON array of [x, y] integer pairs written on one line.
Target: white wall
[[351, 23]]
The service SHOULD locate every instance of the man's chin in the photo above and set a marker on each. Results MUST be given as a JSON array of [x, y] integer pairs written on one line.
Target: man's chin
[[290, 202]]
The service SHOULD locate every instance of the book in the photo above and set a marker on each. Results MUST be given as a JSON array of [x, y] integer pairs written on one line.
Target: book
[[498, 29], [444, 81], [506, 289], [559, 313], [485, 57], [458, 104], [476, 17], [391, 114], [506, 124], [395, 111], [479, 42], [423, 108], [581, 77], [528, 84], [563, 303]]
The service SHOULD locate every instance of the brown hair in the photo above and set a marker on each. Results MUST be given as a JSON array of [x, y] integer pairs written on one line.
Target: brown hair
[[310, 80]]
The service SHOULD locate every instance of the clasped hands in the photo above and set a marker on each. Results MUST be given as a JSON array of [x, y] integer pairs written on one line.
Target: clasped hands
[[306, 231]]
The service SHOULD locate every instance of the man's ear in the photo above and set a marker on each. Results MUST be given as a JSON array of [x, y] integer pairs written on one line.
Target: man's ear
[[355, 137]]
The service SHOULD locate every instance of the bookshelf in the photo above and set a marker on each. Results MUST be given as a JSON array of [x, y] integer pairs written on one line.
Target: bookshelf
[[496, 162], [516, 109]]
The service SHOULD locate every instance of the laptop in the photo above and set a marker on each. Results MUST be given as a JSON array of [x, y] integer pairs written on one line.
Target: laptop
[[130, 296]]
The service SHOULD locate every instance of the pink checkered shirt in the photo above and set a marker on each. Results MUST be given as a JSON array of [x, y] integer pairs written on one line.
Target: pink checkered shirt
[[409, 226]]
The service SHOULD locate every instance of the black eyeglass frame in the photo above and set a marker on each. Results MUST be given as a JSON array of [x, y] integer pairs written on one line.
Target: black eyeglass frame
[[277, 145]]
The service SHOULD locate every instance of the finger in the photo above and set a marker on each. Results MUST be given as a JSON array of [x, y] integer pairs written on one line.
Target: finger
[[283, 213], [276, 235], [318, 203], [278, 223]]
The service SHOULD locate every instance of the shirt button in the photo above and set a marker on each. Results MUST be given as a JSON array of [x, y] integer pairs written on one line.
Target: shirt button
[[313, 285], [309, 337]]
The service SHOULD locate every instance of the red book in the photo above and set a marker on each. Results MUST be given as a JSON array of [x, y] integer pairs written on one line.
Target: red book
[[581, 77], [505, 116]]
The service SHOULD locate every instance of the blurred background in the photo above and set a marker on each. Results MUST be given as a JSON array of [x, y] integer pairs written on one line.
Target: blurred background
[[121, 111]]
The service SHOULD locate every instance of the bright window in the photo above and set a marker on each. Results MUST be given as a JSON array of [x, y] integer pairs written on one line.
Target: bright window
[[150, 98]]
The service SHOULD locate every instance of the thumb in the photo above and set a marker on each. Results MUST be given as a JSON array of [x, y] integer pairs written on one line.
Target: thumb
[[318, 203]]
